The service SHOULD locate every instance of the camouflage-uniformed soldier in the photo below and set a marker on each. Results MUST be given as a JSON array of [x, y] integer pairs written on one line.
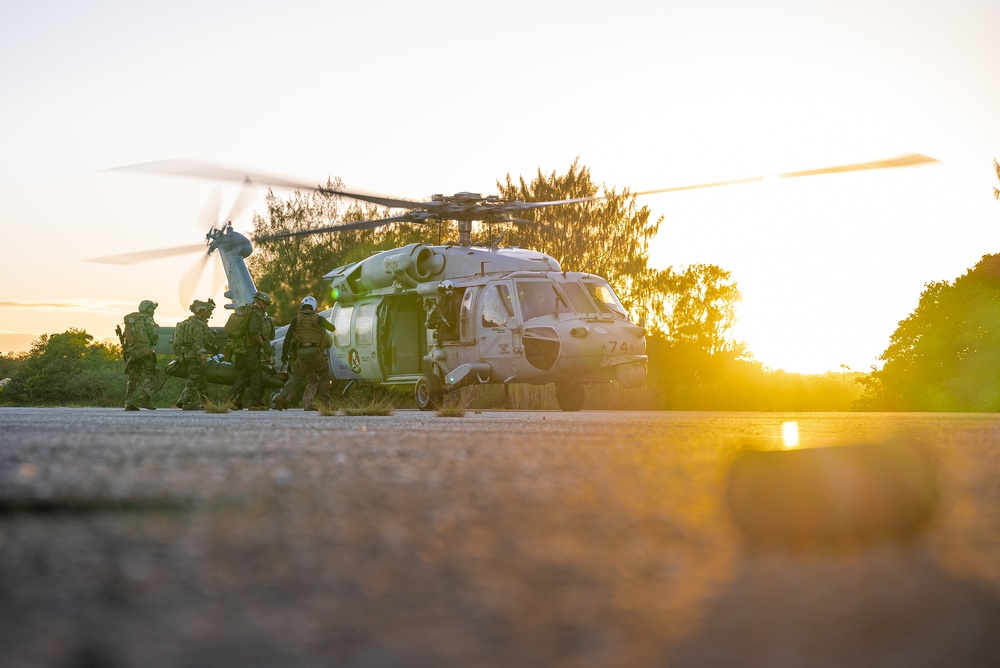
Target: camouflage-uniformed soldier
[[197, 345], [306, 343], [250, 353], [140, 336]]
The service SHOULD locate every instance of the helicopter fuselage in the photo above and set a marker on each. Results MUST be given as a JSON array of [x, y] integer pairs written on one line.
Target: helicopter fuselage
[[468, 315]]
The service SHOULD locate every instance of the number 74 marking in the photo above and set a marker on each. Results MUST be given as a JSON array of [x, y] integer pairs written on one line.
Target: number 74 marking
[[618, 347]]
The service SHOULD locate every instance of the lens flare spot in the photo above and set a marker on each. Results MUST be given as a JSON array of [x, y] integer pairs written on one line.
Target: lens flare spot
[[790, 434]]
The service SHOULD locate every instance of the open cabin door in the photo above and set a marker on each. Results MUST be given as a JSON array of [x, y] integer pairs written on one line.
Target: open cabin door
[[402, 334]]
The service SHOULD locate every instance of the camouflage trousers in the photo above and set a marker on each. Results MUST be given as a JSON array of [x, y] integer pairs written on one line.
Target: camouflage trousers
[[311, 366], [249, 373], [142, 375], [196, 387]]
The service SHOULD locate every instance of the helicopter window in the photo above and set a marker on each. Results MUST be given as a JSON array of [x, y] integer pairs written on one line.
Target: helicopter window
[[577, 297], [364, 325], [342, 321], [497, 307], [537, 299], [466, 318], [605, 298]]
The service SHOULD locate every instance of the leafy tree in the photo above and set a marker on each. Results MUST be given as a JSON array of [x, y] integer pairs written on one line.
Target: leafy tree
[[703, 302], [10, 363], [68, 368], [945, 356]]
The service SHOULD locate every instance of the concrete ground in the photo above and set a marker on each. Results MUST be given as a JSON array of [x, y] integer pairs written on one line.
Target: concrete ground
[[500, 538]]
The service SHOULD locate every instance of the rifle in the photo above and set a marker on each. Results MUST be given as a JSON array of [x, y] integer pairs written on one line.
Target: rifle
[[121, 339]]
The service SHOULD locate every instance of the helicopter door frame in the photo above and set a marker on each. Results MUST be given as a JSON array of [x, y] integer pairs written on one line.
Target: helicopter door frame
[[495, 310]]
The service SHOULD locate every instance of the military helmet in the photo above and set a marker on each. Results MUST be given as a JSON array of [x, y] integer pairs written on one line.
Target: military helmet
[[263, 296], [198, 305], [308, 304], [147, 306]]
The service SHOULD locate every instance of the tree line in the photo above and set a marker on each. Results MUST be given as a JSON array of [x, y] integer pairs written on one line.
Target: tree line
[[943, 357]]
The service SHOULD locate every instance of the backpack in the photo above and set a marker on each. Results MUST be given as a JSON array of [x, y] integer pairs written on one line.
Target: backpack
[[181, 336], [136, 338], [236, 325]]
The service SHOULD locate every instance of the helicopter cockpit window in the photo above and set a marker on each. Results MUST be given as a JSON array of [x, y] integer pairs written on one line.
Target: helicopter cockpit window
[[577, 297], [497, 307], [538, 298], [605, 298], [342, 321], [364, 325]]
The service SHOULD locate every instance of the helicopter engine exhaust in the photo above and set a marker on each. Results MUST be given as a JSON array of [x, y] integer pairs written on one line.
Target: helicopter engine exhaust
[[407, 266]]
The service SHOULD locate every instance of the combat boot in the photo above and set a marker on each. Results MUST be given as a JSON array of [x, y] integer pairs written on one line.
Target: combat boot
[[131, 407], [144, 403], [259, 407]]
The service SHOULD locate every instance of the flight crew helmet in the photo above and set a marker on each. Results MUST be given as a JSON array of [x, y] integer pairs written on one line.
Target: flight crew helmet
[[263, 298], [147, 306], [308, 304]]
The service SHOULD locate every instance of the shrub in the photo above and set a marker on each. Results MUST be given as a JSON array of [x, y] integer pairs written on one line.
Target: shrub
[[68, 369]]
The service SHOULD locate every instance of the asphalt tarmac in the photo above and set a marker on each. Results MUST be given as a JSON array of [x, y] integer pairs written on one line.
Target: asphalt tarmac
[[501, 538]]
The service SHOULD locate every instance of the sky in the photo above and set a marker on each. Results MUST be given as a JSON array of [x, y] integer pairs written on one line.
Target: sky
[[415, 98]]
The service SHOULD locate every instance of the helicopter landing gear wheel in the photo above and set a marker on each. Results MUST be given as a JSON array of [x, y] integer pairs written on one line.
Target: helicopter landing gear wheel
[[570, 396], [428, 393]]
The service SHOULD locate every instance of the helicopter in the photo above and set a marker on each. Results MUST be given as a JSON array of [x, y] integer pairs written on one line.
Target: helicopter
[[442, 317]]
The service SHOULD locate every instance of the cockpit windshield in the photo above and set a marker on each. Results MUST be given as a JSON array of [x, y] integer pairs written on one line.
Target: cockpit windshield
[[577, 297], [538, 298], [604, 297]]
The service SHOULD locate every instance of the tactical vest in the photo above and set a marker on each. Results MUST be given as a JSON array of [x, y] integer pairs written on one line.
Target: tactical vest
[[308, 331]]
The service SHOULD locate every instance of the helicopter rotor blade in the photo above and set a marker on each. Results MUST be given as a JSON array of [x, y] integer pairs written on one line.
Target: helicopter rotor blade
[[219, 173], [142, 256], [208, 217], [521, 221], [360, 225], [247, 193], [527, 206], [190, 280], [901, 161]]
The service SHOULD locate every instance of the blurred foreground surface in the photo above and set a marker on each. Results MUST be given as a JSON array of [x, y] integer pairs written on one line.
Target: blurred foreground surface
[[173, 538]]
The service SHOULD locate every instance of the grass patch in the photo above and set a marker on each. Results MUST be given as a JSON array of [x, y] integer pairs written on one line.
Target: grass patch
[[327, 409], [374, 406], [453, 406], [217, 406]]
